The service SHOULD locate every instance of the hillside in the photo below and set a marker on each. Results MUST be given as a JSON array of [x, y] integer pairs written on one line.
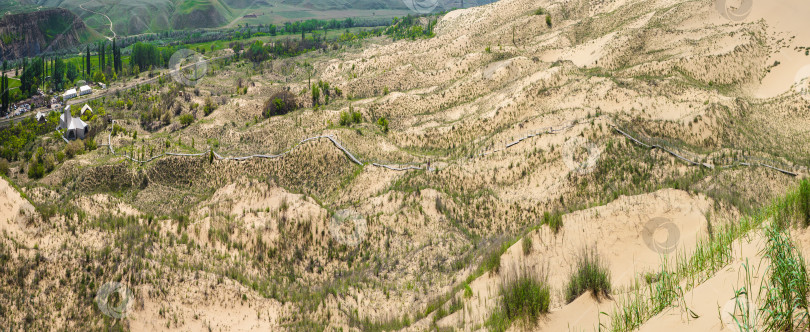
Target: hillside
[[31, 33], [142, 16], [414, 182]]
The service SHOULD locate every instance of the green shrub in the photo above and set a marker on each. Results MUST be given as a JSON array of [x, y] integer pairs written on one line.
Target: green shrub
[[383, 123], [74, 148], [527, 244], [280, 103], [523, 297], [492, 261], [590, 274], [209, 106], [350, 117], [548, 20], [186, 119], [468, 293], [4, 168], [35, 169], [540, 11], [553, 220], [344, 119], [90, 144], [357, 117]]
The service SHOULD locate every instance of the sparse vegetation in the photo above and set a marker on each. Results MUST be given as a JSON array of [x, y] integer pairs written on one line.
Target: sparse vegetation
[[527, 244], [590, 274], [280, 103], [524, 296]]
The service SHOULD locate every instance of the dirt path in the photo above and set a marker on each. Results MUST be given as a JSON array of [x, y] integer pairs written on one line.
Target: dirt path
[[105, 15]]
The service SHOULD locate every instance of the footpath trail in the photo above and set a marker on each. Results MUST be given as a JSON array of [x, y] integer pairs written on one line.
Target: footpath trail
[[102, 14]]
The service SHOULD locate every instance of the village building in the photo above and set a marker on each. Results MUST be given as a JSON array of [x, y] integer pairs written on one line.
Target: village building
[[42, 117], [85, 90], [74, 128], [69, 94]]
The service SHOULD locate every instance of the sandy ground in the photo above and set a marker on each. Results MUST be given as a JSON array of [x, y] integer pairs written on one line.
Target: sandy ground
[[788, 21], [15, 213], [714, 301], [624, 234]]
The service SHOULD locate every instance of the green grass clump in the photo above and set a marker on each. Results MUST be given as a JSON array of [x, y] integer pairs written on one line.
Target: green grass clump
[[492, 261], [804, 201], [523, 297], [553, 220], [786, 302], [590, 274], [527, 244]]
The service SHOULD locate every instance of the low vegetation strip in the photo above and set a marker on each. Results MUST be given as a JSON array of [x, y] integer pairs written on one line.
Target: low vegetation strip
[[736, 163], [263, 156]]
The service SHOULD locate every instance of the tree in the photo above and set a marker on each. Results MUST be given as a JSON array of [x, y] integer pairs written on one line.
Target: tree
[[256, 52], [72, 72], [88, 65], [4, 92], [146, 55], [58, 73], [101, 62], [99, 77], [316, 95], [31, 77], [116, 57], [186, 119]]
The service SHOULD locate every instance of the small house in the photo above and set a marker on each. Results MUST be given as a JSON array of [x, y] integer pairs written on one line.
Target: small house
[[85, 90], [41, 117], [69, 94], [86, 108]]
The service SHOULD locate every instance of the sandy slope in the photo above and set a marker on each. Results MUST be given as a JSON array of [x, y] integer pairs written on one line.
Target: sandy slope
[[714, 300], [15, 212], [788, 21], [617, 231]]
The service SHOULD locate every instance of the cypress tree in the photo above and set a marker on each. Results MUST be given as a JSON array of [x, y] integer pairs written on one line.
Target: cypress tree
[[3, 90], [115, 57], [87, 65]]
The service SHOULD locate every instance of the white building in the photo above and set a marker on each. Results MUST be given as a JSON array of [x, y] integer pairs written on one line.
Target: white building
[[69, 94], [85, 90], [85, 109], [74, 127], [42, 117]]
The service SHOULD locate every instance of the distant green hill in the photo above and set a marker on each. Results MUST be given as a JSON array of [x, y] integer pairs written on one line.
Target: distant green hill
[[133, 17], [31, 32]]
